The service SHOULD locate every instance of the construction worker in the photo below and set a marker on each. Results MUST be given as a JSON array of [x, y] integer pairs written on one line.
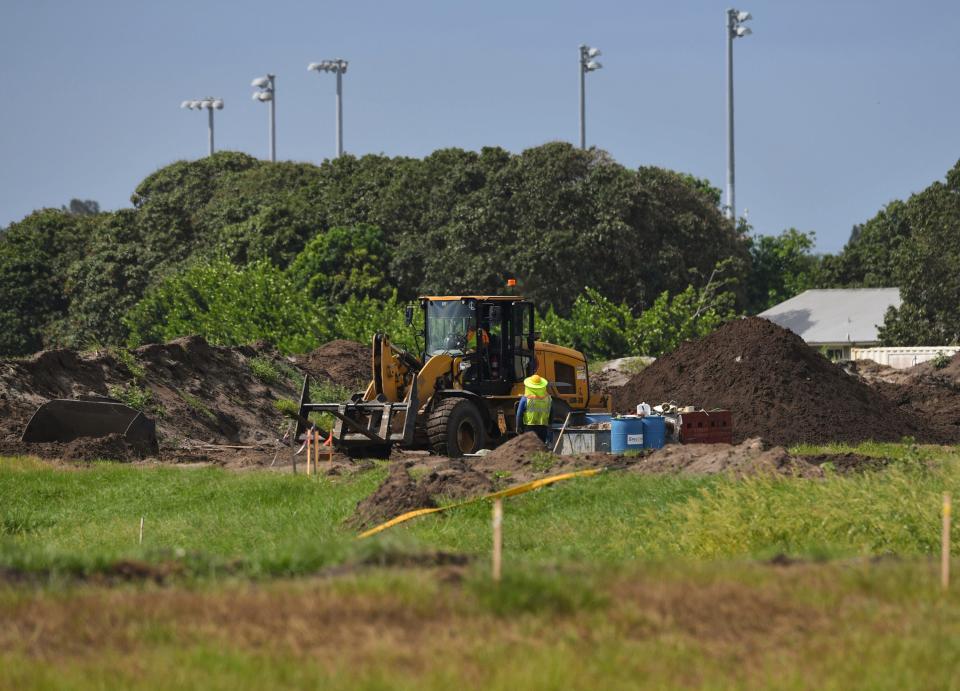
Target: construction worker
[[472, 338], [533, 411]]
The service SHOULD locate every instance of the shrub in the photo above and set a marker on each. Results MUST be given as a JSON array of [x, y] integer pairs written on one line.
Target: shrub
[[229, 305]]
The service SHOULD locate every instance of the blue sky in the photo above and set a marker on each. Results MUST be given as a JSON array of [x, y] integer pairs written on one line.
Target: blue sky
[[841, 106]]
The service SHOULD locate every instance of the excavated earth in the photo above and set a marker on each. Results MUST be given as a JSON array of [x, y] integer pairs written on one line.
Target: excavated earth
[[777, 387], [924, 391], [344, 363], [210, 406], [207, 401], [420, 483]]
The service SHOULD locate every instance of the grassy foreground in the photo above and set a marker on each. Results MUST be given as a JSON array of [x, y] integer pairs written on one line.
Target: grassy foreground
[[617, 581]]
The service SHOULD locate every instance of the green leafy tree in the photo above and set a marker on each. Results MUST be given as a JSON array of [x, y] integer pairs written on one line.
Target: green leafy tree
[[687, 315], [870, 258], [107, 281], [358, 319], [927, 269], [780, 267], [343, 263], [34, 257], [554, 217], [229, 306], [597, 326]]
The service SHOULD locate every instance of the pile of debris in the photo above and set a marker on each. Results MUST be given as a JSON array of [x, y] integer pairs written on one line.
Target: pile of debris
[[777, 387]]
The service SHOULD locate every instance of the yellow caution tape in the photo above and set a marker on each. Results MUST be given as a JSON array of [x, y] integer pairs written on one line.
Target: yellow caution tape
[[509, 492]]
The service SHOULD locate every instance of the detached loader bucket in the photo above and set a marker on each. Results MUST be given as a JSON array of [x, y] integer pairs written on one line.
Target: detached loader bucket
[[65, 419]]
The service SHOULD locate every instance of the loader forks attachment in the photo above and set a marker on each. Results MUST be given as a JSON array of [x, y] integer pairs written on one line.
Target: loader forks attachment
[[364, 423]]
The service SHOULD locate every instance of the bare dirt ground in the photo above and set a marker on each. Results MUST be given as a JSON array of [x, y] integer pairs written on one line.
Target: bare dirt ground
[[418, 482], [930, 394], [211, 404]]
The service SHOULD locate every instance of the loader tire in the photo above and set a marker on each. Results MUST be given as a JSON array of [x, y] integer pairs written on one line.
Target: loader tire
[[456, 428]]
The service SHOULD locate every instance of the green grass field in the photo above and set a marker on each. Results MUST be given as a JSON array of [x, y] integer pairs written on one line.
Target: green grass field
[[620, 581]]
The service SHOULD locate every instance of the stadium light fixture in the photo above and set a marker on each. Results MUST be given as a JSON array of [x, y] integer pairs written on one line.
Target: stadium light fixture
[[268, 94], [339, 68], [735, 29], [209, 104], [587, 64]]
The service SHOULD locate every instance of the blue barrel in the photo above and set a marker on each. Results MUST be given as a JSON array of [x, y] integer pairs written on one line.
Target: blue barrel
[[626, 434], [654, 432]]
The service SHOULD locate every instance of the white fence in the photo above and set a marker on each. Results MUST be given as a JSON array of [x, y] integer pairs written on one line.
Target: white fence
[[902, 358]]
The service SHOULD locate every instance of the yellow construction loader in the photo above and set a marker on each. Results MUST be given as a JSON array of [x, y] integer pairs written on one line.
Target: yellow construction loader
[[460, 394]]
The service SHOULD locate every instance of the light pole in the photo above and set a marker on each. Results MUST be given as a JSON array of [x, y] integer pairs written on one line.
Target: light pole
[[268, 92], [587, 64], [338, 67], [210, 104], [735, 29]]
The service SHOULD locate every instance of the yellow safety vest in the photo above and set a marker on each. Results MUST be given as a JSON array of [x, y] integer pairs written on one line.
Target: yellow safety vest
[[537, 411]]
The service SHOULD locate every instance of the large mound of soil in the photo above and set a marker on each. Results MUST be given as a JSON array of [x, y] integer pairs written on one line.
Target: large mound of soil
[[933, 398], [929, 393], [345, 363], [778, 388], [196, 392]]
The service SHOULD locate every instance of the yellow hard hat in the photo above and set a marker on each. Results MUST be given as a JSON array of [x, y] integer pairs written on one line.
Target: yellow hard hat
[[535, 382]]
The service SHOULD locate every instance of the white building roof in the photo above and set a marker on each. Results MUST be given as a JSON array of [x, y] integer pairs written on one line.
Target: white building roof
[[836, 315]]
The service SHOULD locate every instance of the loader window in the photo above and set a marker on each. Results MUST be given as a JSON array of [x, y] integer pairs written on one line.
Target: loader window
[[448, 322], [565, 378], [523, 362]]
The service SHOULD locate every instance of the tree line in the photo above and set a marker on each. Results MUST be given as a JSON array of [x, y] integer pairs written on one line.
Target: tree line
[[619, 260]]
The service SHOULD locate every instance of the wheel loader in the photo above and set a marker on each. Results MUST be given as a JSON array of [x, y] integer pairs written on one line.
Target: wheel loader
[[460, 393]]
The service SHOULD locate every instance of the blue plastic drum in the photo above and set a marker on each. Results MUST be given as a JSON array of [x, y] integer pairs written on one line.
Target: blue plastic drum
[[654, 432], [626, 434]]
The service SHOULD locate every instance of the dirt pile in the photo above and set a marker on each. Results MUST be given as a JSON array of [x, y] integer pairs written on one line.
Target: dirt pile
[[112, 447], [848, 462], [457, 479], [936, 400], [950, 372], [196, 392], [398, 494], [922, 391], [778, 388], [345, 363], [873, 372], [517, 454], [751, 457]]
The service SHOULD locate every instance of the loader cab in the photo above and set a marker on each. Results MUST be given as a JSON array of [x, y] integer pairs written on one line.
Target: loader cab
[[493, 334]]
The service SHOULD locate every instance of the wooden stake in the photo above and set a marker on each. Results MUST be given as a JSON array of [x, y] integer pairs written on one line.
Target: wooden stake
[[141, 530], [945, 544], [497, 538], [330, 445], [560, 436], [316, 453]]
